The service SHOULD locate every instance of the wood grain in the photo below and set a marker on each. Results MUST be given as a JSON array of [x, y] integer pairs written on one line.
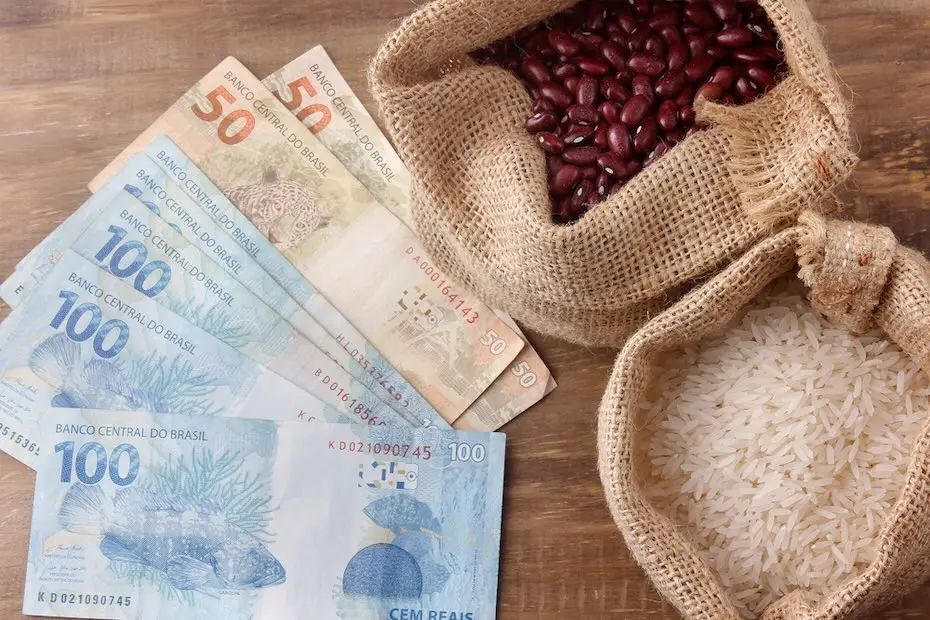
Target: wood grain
[[80, 78]]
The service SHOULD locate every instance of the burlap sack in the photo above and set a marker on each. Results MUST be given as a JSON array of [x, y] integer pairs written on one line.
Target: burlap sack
[[857, 275], [480, 198]]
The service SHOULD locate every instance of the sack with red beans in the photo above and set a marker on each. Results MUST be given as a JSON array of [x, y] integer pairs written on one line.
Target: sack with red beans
[[584, 210]]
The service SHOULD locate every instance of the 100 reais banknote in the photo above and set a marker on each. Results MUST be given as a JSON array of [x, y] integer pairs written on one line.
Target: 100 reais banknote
[[147, 516]]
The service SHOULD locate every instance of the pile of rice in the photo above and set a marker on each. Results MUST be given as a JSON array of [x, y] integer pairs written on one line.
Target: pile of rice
[[780, 445]]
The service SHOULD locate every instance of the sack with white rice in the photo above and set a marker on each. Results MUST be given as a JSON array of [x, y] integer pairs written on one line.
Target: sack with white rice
[[780, 467]]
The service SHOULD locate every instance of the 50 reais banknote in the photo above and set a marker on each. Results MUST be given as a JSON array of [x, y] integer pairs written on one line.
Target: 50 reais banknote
[[312, 88], [145, 516], [363, 259]]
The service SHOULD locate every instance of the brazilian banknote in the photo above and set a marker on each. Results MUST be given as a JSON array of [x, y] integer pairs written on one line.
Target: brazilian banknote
[[312, 88], [144, 516]]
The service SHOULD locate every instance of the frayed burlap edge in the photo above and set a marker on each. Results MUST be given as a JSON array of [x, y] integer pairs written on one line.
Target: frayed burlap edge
[[902, 311]]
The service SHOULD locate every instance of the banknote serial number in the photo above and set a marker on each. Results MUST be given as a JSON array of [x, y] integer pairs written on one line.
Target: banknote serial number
[[18, 439], [79, 598], [455, 299], [422, 452]]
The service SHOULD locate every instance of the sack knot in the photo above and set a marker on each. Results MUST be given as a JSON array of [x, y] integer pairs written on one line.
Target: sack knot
[[845, 265]]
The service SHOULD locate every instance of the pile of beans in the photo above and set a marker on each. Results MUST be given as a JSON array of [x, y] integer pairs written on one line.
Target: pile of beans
[[613, 83]]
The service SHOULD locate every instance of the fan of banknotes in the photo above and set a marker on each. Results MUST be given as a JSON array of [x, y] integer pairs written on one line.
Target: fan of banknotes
[[249, 263]]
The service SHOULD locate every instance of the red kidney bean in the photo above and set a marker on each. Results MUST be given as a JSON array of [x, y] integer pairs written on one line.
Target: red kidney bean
[[541, 121], [674, 137], [553, 163], [582, 114], [627, 22], [667, 116], [577, 134], [609, 111], [646, 64], [618, 139], [562, 70], [642, 85], [589, 41], [612, 89], [612, 163], [543, 105], [699, 15], [746, 89], [614, 54], [593, 66], [686, 96], [718, 53], [710, 91], [671, 34], [670, 84], [678, 55], [657, 152], [549, 142], [571, 83], [737, 36], [595, 17], [557, 94], [664, 18], [620, 38], [696, 44], [698, 67], [580, 195], [563, 43], [725, 76], [637, 40], [603, 182], [686, 115], [535, 71], [725, 10], [635, 110], [645, 136], [625, 76], [761, 76], [656, 46], [586, 92], [642, 8], [750, 55], [581, 155], [564, 179], [600, 135], [632, 167], [589, 172], [763, 32]]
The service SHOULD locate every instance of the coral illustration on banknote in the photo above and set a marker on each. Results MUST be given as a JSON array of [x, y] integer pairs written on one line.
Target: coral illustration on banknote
[[283, 210], [157, 384], [199, 524], [408, 567]]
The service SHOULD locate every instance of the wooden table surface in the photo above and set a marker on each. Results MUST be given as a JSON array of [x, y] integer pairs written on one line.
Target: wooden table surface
[[80, 78]]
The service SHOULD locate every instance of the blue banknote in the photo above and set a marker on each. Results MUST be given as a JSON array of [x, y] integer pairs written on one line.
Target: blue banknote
[[128, 236], [185, 173], [85, 339], [143, 516]]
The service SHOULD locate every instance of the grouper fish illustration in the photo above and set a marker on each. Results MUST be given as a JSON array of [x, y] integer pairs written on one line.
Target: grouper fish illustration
[[195, 547], [97, 384]]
